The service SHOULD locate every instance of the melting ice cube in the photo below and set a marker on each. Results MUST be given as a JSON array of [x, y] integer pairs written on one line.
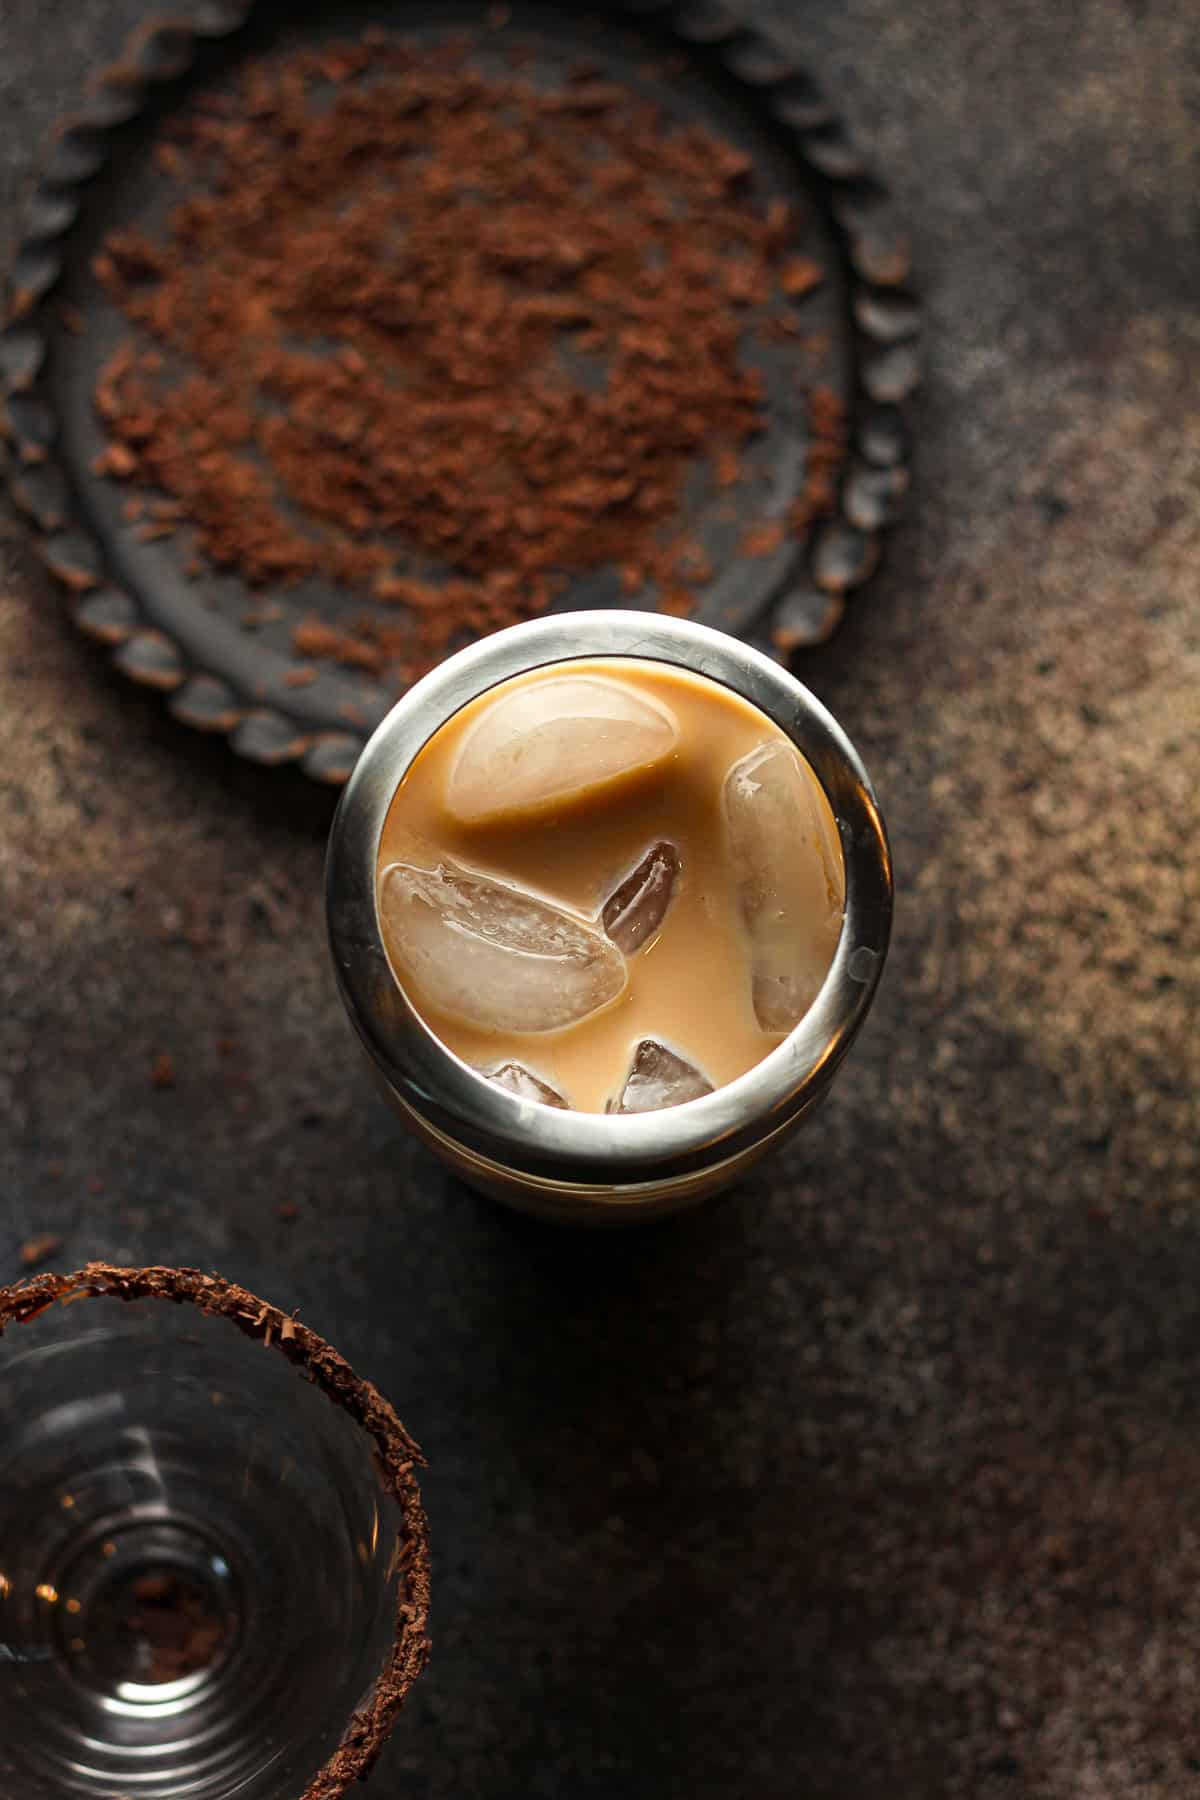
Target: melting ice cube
[[659, 1078], [493, 955], [638, 907], [788, 862], [548, 743], [523, 1082]]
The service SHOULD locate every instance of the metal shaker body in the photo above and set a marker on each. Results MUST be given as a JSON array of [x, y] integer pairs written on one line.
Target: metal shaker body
[[579, 1167]]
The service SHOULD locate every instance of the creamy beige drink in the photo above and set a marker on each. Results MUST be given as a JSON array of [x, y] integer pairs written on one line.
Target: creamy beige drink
[[610, 885]]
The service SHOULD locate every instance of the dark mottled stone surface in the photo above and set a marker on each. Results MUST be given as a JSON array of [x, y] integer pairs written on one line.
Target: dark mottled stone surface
[[879, 1479]]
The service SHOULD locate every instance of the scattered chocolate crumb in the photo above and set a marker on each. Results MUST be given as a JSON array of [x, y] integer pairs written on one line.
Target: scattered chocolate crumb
[[728, 468], [167, 509], [73, 320], [800, 276], [287, 1210], [314, 638], [169, 159], [73, 576], [40, 1249], [116, 459], [440, 315], [95, 1184], [56, 1170], [764, 539], [823, 459], [296, 678], [162, 1072]]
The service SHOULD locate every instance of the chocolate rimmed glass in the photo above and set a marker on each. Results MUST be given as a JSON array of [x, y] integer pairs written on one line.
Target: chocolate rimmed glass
[[214, 1572]]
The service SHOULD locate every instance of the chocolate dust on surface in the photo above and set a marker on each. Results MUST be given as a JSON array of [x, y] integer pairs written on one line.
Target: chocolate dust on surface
[[444, 338]]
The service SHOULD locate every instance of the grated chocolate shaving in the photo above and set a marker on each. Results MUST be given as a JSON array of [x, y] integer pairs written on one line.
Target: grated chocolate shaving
[[440, 337]]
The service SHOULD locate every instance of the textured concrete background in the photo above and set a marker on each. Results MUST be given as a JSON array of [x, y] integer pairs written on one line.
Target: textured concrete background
[[881, 1478]]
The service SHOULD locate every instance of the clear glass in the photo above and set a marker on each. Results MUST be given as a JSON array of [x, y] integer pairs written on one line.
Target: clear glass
[[199, 1558]]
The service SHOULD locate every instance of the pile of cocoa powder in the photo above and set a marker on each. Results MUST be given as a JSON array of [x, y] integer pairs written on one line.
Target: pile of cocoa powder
[[445, 337]]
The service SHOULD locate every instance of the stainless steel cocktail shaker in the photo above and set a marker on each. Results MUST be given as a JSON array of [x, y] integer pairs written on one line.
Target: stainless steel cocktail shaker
[[579, 1167]]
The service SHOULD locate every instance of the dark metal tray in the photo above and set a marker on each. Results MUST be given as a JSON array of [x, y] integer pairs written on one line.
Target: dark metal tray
[[224, 658]]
